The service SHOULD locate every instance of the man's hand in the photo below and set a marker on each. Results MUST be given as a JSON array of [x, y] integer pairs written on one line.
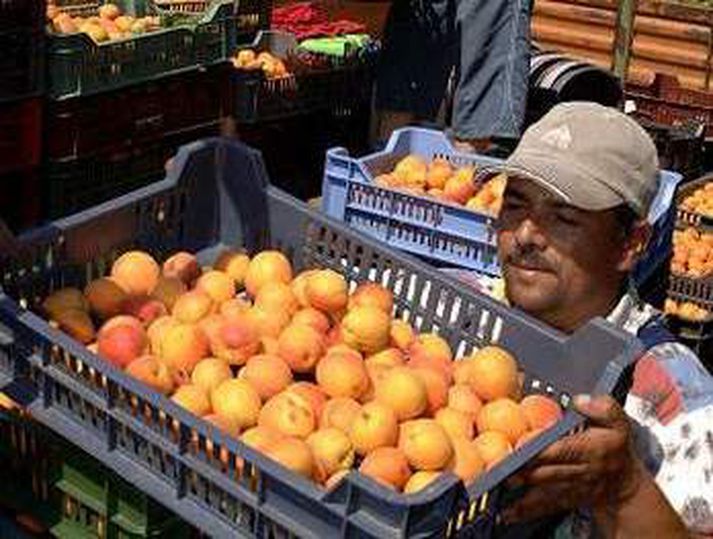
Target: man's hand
[[595, 468]]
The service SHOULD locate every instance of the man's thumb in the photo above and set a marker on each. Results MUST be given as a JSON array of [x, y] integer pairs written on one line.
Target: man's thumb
[[601, 410]]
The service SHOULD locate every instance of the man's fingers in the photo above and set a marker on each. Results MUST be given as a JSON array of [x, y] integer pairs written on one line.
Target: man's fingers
[[554, 473], [601, 410], [539, 502]]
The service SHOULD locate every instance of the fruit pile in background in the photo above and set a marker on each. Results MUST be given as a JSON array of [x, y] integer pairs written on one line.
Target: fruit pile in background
[[109, 24], [692, 253], [701, 201], [440, 180], [271, 65], [687, 311], [317, 378]]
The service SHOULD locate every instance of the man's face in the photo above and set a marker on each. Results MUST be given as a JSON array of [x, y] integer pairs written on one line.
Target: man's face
[[560, 264]]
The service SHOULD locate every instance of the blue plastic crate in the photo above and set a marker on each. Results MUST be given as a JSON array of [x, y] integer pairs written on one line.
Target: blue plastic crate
[[447, 233], [216, 195]]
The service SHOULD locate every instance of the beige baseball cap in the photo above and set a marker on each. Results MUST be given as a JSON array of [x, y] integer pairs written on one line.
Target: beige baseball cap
[[593, 157]]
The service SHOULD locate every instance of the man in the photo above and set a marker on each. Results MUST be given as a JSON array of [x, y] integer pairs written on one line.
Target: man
[[571, 228], [487, 41]]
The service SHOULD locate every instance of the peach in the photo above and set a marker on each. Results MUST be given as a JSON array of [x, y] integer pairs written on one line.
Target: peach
[[460, 187], [233, 307], [192, 398], [341, 374], [268, 374], [289, 414], [376, 425], [64, 299], [372, 295], [145, 308], [260, 438], [312, 393], [529, 435], [301, 346], [299, 287], [332, 450], [217, 285], [503, 415], [183, 266], [436, 388], [467, 462], [136, 272], [461, 397], [105, 297], [339, 413], [294, 454], [209, 373], [420, 480], [540, 412], [121, 320], [153, 373], [237, 401], [456, 423], [277, 296], [122, 344], [430, 350], [401, 334], [270, 323], [403, 390], [366, 329], [168, 290], [388, 466], [391, 357], [312, 317], [327, 291], [439, 170], [266, 267], [77, 324], [183, 346], [492, 446], [193, 306], [491, 372], [237, 339], [223, 424], [235, 264], [426, 444]]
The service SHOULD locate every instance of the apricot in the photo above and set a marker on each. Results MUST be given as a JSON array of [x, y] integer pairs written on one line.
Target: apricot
[[311, 393], [269, 323], [404, 391], [411, 171], [233, 307], [77, 324], [121, 320], [122, 344], [183, 346], [266, 267], [540, 412], [260, 438], [461, 397], [366, 329], [309, 316], [217, 285], [332, 450], [456, 423], [168, 290], [277, 296], [136, 272], [426, 444], [289, 414], [436, 388], [63, 300], [401, 334], [342, 374], [105, 297], [467, 462], [388, 466], [192, 398], [268, 374], [439, 170], [492, 446], [376, 425], [237, 401], [193, 306], [301, 346], [235, 264], [183, 266], [459, 188], [420, 480], [223, 424], [391, 357], [339, 413], [237, 338], [109, 11], [372, 295], [430, 350], [209, 373], [294, 454], [145, 308], [152, 372], [503, 415], [491, 372], [326, 290], [299, 287]]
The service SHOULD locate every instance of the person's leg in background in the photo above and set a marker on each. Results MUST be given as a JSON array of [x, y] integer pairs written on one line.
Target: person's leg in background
[[416, 59], [494, 66]]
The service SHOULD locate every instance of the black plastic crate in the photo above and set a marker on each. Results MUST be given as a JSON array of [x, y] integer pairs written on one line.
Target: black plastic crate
[[680, 146], [20, 134], [217, 195], [22, 45], [20, 198]]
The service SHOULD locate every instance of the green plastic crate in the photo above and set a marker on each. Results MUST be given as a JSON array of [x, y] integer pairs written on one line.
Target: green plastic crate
[[78, 66]]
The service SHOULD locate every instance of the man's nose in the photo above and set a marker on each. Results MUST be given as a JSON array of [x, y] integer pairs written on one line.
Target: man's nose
[[528, 233]]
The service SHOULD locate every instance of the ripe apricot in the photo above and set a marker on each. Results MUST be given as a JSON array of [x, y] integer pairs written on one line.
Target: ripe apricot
[[461, 397], [340, 413], [277, 296], [237, 401], [294, 454], [192, 398], [503, 415], [420, 480], [332, 450], [540, 412], [289, 414], [404, 391], [366, 329], [183, 346], [376, 425], [492, 446], [326, 290], [467, 462], [388, 466], [401, 334], [491, 372], [219, 286], [426, 444], [456, 423], [268, 374], [301, 347], [312, 317], [342, 374], [312, 393], [372, 295], [266, 267], [193, 306], [235, 264], [136, 272], [183, 266]]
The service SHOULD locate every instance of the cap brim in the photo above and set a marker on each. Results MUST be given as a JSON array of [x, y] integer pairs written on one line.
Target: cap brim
[[568, 182]]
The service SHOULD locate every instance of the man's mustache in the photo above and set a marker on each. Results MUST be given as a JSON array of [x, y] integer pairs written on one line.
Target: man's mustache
[[529, 259]]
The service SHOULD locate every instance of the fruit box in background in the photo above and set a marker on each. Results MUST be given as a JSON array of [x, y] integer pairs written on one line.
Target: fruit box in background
[[436, 229], [217, 195]]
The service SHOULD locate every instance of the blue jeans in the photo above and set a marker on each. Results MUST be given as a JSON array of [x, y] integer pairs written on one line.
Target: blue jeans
[[487, 41]]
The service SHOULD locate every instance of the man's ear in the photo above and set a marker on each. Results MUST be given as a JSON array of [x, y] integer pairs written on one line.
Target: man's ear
[[634, 246]]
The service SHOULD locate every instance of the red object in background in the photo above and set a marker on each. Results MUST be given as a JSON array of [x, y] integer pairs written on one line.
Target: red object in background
[[306, 20]]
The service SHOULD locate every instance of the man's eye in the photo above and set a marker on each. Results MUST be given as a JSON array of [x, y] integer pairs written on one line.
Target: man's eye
[[566, 219]]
